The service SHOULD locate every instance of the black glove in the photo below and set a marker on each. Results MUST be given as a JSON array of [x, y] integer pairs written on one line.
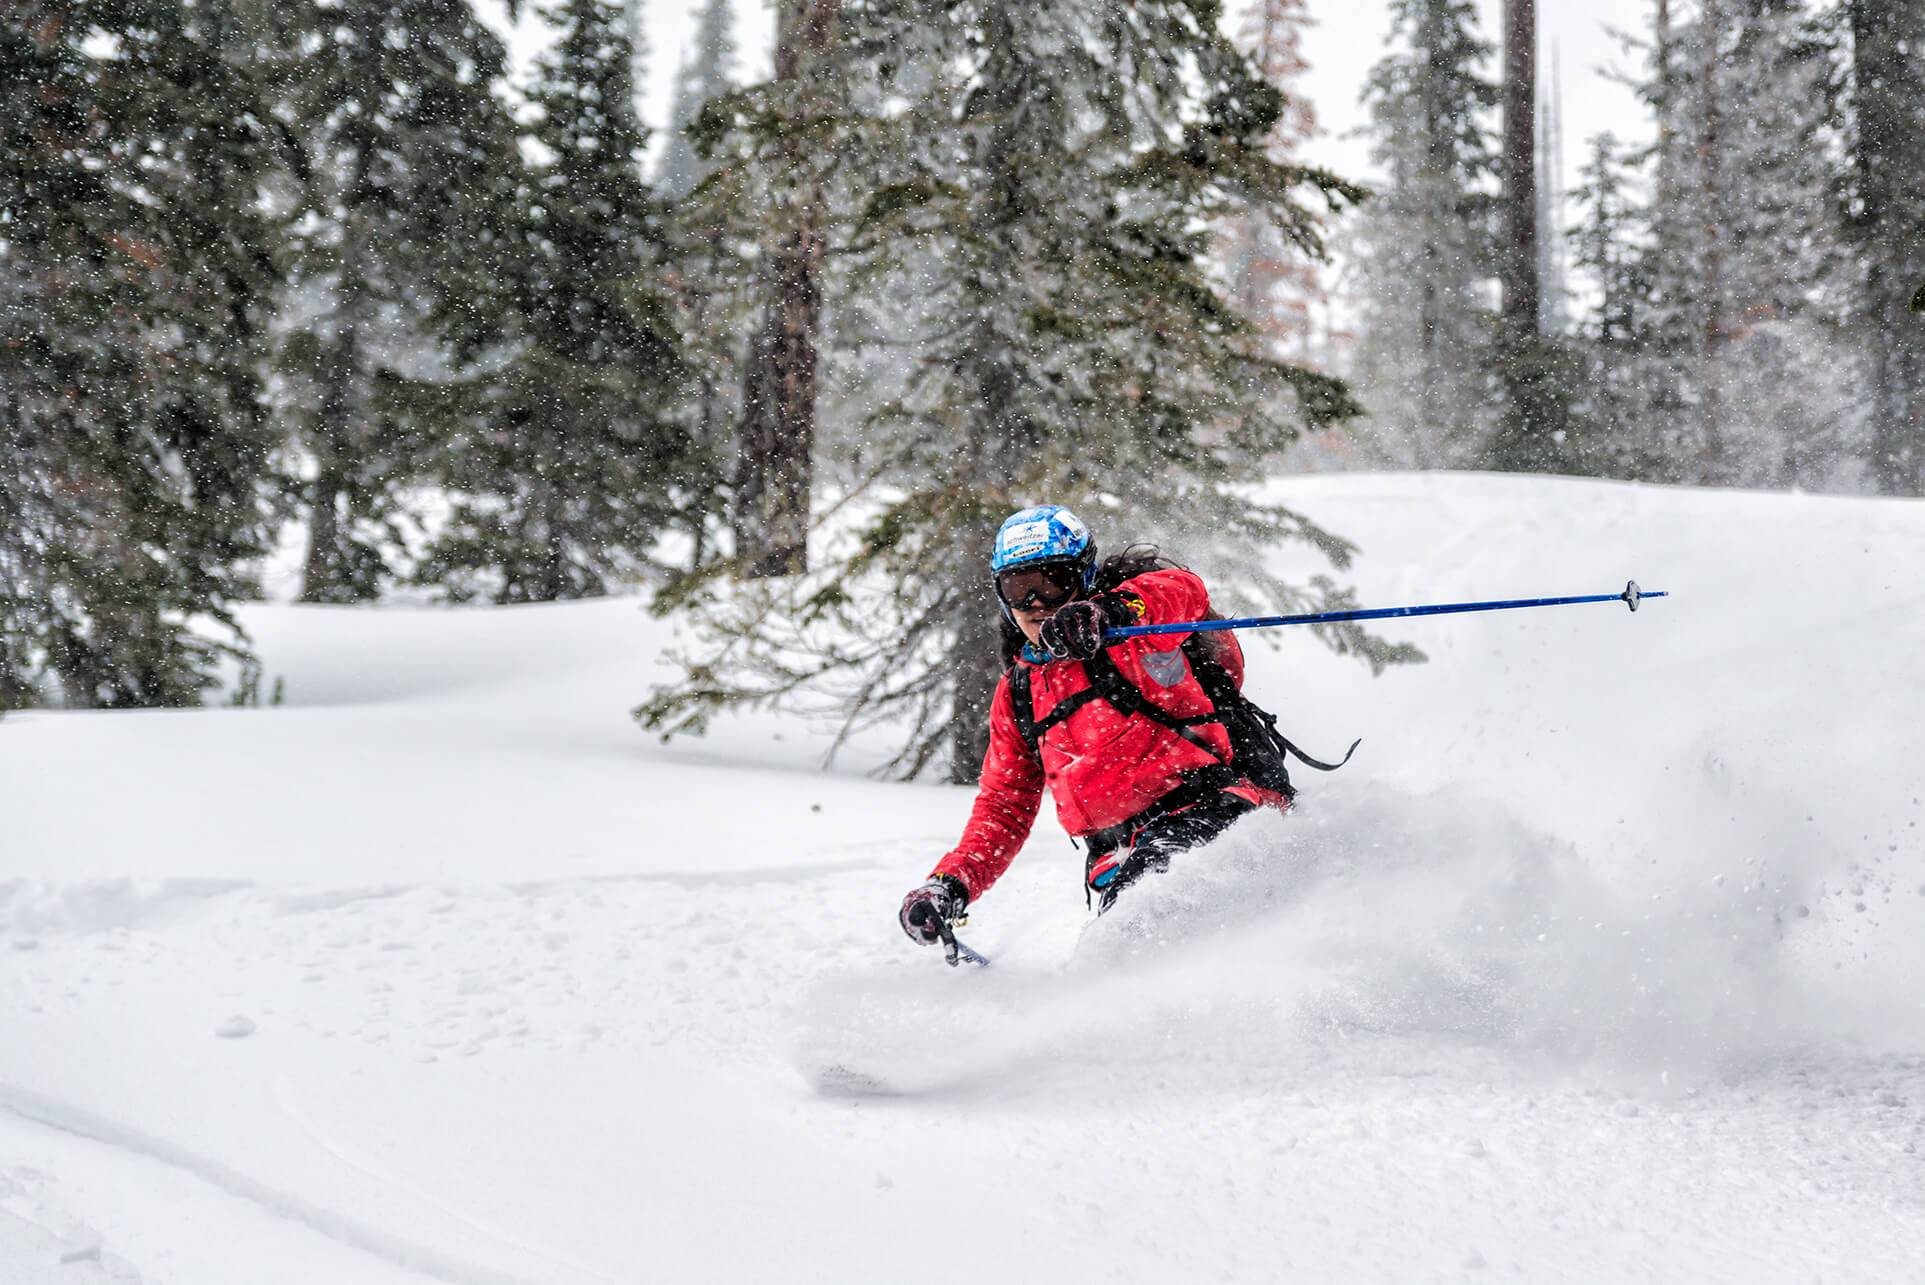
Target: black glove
[[1075, 632], [943, 900]]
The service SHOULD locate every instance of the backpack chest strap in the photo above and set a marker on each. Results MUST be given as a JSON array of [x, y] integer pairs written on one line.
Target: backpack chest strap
[[1107, 683]]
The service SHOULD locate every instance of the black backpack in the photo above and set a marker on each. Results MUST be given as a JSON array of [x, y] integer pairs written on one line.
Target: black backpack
[[1257, 748]]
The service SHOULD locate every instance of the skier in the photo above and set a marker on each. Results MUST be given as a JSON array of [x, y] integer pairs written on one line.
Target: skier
[[1130, 739]]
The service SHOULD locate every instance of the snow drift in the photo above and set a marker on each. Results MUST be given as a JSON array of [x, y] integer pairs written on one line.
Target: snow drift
[[1599, 962]]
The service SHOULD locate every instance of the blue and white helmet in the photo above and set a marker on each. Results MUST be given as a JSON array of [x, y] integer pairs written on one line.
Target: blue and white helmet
[[1044, 533]]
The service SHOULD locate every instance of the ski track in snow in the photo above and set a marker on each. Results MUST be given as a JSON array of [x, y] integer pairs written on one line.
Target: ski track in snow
[[83, 1124]]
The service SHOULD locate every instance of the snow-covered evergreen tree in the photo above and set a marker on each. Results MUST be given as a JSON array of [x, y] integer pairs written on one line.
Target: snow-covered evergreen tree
[[1667, 356], [1786, 368], [707, 72], [1736, 372], [1881, 97], [1608, 254], [1045, 175], [1427, 249], [571, 461], [134, 453], [402, 145]]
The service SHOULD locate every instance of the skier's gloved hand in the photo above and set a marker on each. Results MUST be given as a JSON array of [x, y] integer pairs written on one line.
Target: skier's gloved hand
[[940, 901], [1075, 632]]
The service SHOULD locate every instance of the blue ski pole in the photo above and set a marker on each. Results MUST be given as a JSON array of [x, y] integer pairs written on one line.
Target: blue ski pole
[[1631, 596]]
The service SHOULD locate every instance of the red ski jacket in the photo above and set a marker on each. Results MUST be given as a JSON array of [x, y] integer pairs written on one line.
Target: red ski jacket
[[1101, 767]]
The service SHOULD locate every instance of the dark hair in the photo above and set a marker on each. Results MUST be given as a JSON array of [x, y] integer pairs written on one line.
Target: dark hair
[[1131, 562]]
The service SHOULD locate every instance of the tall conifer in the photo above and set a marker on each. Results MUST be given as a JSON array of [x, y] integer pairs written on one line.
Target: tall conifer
[[1046, 176], [1427, 254], [134, 453], [572, 460], [1736, 372], [1884, 101], [774, 479], [1274, 286], [1608, 343], [707, 72], [402, 143], [708, 273]]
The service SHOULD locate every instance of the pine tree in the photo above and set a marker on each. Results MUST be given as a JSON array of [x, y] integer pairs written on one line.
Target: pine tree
[[402, 145], [1713, 202], [1522, 304], [134, 454], [1738, 361], [1786, 369], [1605, 250], [1274, 286], [1535, 370], [708, 269], [1553, 263], [572, 462], [1653, 369], [1046, 175], [774, 475], [708, 72], [1883, 98], [1427, 249]]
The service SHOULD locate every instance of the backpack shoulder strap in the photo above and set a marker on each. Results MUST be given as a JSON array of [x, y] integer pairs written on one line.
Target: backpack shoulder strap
[[1128, 700], [1022, 702], [1022, 705]]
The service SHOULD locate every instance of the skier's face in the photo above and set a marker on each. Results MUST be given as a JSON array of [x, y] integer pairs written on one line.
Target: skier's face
[[1033, 593], [1031, 623]]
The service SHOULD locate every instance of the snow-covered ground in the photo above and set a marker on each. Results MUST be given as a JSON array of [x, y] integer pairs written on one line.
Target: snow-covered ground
[[1603, 961]]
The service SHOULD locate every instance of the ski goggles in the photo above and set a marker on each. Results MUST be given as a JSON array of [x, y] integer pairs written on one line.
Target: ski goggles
[[1048, 586]]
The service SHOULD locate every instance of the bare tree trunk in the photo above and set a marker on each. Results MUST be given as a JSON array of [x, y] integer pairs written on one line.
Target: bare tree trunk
[[324, 575], [1524, 439], [1711, 441], [774, 474], [550, 581], [21, 569], [978, 662], [996, 429], [1521, 285], [1891, 236], [1661, 58], [708, 417], [774, 470]]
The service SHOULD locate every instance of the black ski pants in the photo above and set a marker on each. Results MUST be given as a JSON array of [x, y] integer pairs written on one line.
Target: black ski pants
[[1120, 856]]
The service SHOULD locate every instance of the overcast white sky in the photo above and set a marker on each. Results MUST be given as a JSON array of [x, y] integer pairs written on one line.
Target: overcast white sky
[[1348, 38]]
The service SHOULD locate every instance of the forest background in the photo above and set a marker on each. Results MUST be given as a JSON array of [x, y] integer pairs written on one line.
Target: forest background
[[351, 274]]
